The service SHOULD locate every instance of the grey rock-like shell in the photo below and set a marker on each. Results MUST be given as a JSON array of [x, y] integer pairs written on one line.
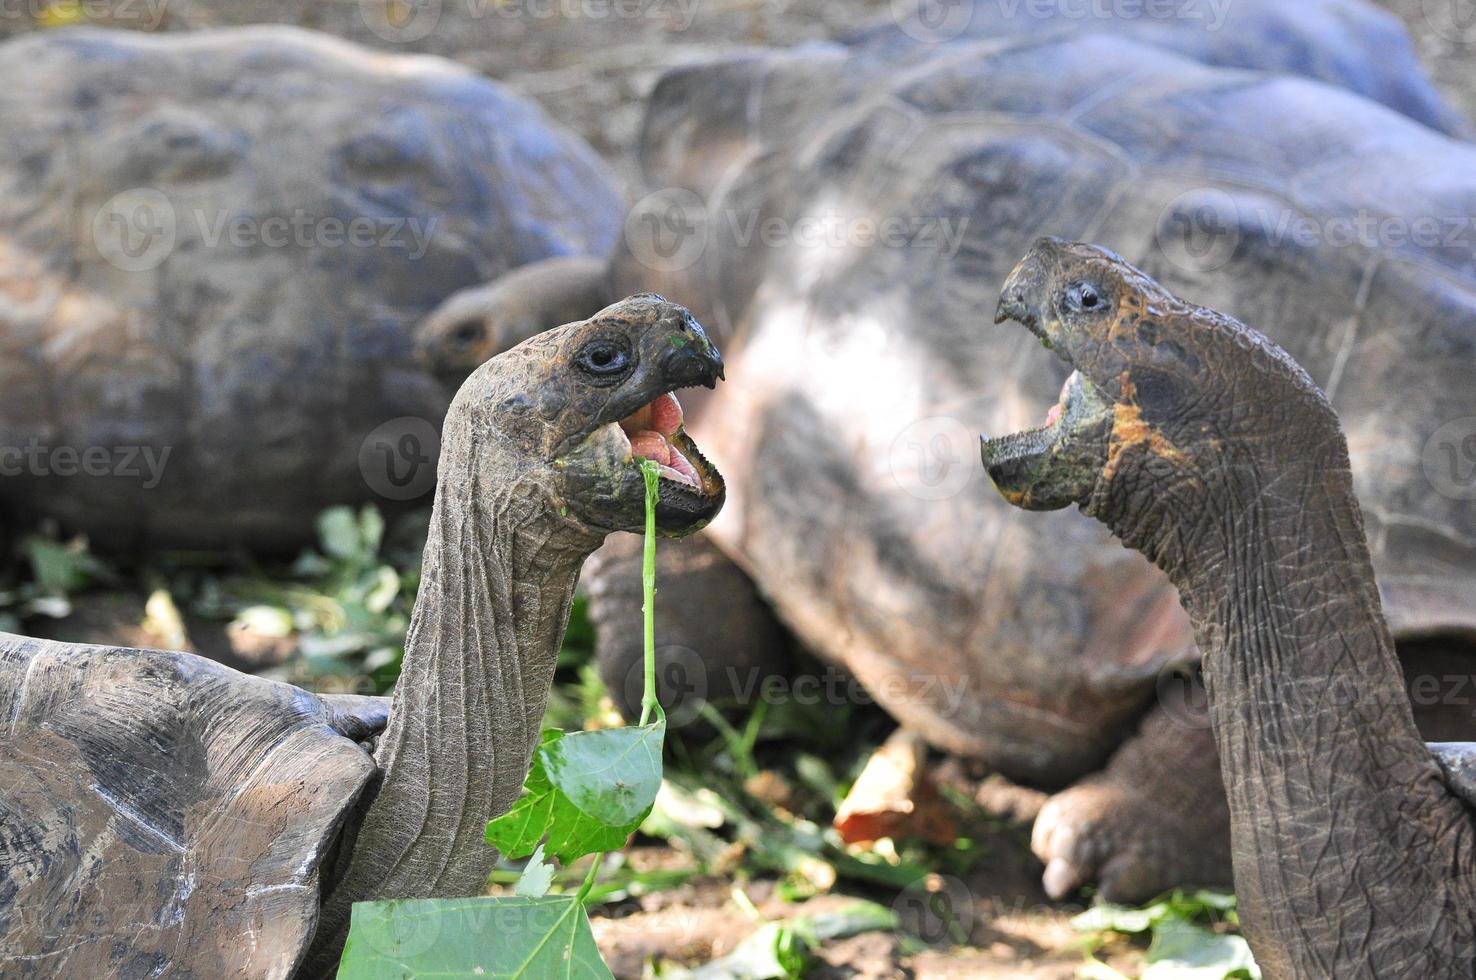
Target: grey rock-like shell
[[862, 372], [157, 802], [215, 246]]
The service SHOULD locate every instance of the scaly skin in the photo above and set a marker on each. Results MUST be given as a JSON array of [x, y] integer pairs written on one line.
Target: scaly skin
[[525, 494], [1205, 447]]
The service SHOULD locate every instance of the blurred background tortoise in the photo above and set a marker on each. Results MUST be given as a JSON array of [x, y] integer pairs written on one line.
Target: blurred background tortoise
[[212, 250], [863, 374]]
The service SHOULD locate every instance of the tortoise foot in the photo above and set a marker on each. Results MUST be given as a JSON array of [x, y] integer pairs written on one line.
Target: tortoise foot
[[1153, 820]]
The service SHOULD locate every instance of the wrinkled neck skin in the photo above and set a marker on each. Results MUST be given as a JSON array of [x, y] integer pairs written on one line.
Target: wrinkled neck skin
[[1351, 858], [495, 593]]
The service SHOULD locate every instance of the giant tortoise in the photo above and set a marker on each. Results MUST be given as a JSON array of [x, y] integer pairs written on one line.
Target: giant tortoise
[[1204, 446], [1340, 227], [212, 250], [163, 815]]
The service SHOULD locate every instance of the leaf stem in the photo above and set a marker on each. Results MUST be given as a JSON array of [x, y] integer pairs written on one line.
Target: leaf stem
[[652, 473], [589, 879]]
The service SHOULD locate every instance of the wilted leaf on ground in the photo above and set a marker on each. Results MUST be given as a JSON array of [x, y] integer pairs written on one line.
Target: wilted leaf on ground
[[895, 797]]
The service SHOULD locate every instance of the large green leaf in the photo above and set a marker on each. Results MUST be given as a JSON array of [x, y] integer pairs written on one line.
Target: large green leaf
[[1184, 951], [587, 792], [483, 938]]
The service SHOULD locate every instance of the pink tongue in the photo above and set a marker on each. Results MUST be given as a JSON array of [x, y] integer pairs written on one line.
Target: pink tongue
[[651, 445], [1054, 415], [666, 414]]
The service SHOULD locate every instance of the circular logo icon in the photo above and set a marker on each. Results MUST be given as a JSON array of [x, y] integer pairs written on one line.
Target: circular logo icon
[[933, 21], [1449, 459], [398, 459], [1454, 20], [1182, 696], [135, 230], [667, 230], [681, 684], [400, 21], [935, 458], [937, 909], [1199, 230]]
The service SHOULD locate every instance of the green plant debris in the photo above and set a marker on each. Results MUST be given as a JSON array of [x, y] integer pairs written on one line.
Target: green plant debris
[[781, 950], [1188, 934], [504, 938]]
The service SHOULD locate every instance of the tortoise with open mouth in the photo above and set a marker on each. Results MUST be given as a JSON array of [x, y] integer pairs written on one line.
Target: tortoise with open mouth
[[1041, 646], [163, 814], [1204, 446]]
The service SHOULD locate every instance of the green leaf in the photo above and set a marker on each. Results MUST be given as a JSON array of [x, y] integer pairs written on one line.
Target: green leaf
[[774, 952], [338, 531], [484, 938], [60, 569], [586, 792], [1117, 918], [1184, 951], [371, 530], [853, 920]]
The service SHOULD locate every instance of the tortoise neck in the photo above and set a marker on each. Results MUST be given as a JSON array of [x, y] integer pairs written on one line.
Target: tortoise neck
[[496, 588], [1333, 795]]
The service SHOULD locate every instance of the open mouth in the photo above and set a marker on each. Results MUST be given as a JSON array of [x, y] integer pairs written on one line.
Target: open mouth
[[1034, 442], [1052, 466], [654, 431]]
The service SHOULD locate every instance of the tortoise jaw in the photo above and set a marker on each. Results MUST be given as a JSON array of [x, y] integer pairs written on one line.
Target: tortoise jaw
[[1056, 465], [690, 490]]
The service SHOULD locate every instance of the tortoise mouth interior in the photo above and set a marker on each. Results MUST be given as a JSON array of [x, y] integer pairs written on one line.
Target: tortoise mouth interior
[[1074, 407], [655, 431]]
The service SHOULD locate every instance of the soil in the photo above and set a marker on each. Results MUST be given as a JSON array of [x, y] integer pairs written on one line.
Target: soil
[[590, 69]]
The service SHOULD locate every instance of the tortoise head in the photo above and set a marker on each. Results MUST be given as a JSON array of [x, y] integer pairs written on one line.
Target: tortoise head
[[466, 331], [479, 323], [1164, 393], [578, 407]]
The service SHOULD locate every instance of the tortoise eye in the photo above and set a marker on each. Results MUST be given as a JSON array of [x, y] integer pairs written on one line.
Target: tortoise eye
[[468, 333], [603, 359], [1083, 297]]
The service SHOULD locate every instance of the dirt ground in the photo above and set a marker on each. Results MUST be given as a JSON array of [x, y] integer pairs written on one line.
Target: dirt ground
[[591, 70]]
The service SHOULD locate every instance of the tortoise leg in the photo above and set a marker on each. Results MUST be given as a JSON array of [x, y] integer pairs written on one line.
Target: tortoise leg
[[716, 638], [1153, 819]]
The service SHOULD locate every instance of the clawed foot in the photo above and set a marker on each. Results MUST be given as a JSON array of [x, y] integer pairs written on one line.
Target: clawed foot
[[1154, 820]]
